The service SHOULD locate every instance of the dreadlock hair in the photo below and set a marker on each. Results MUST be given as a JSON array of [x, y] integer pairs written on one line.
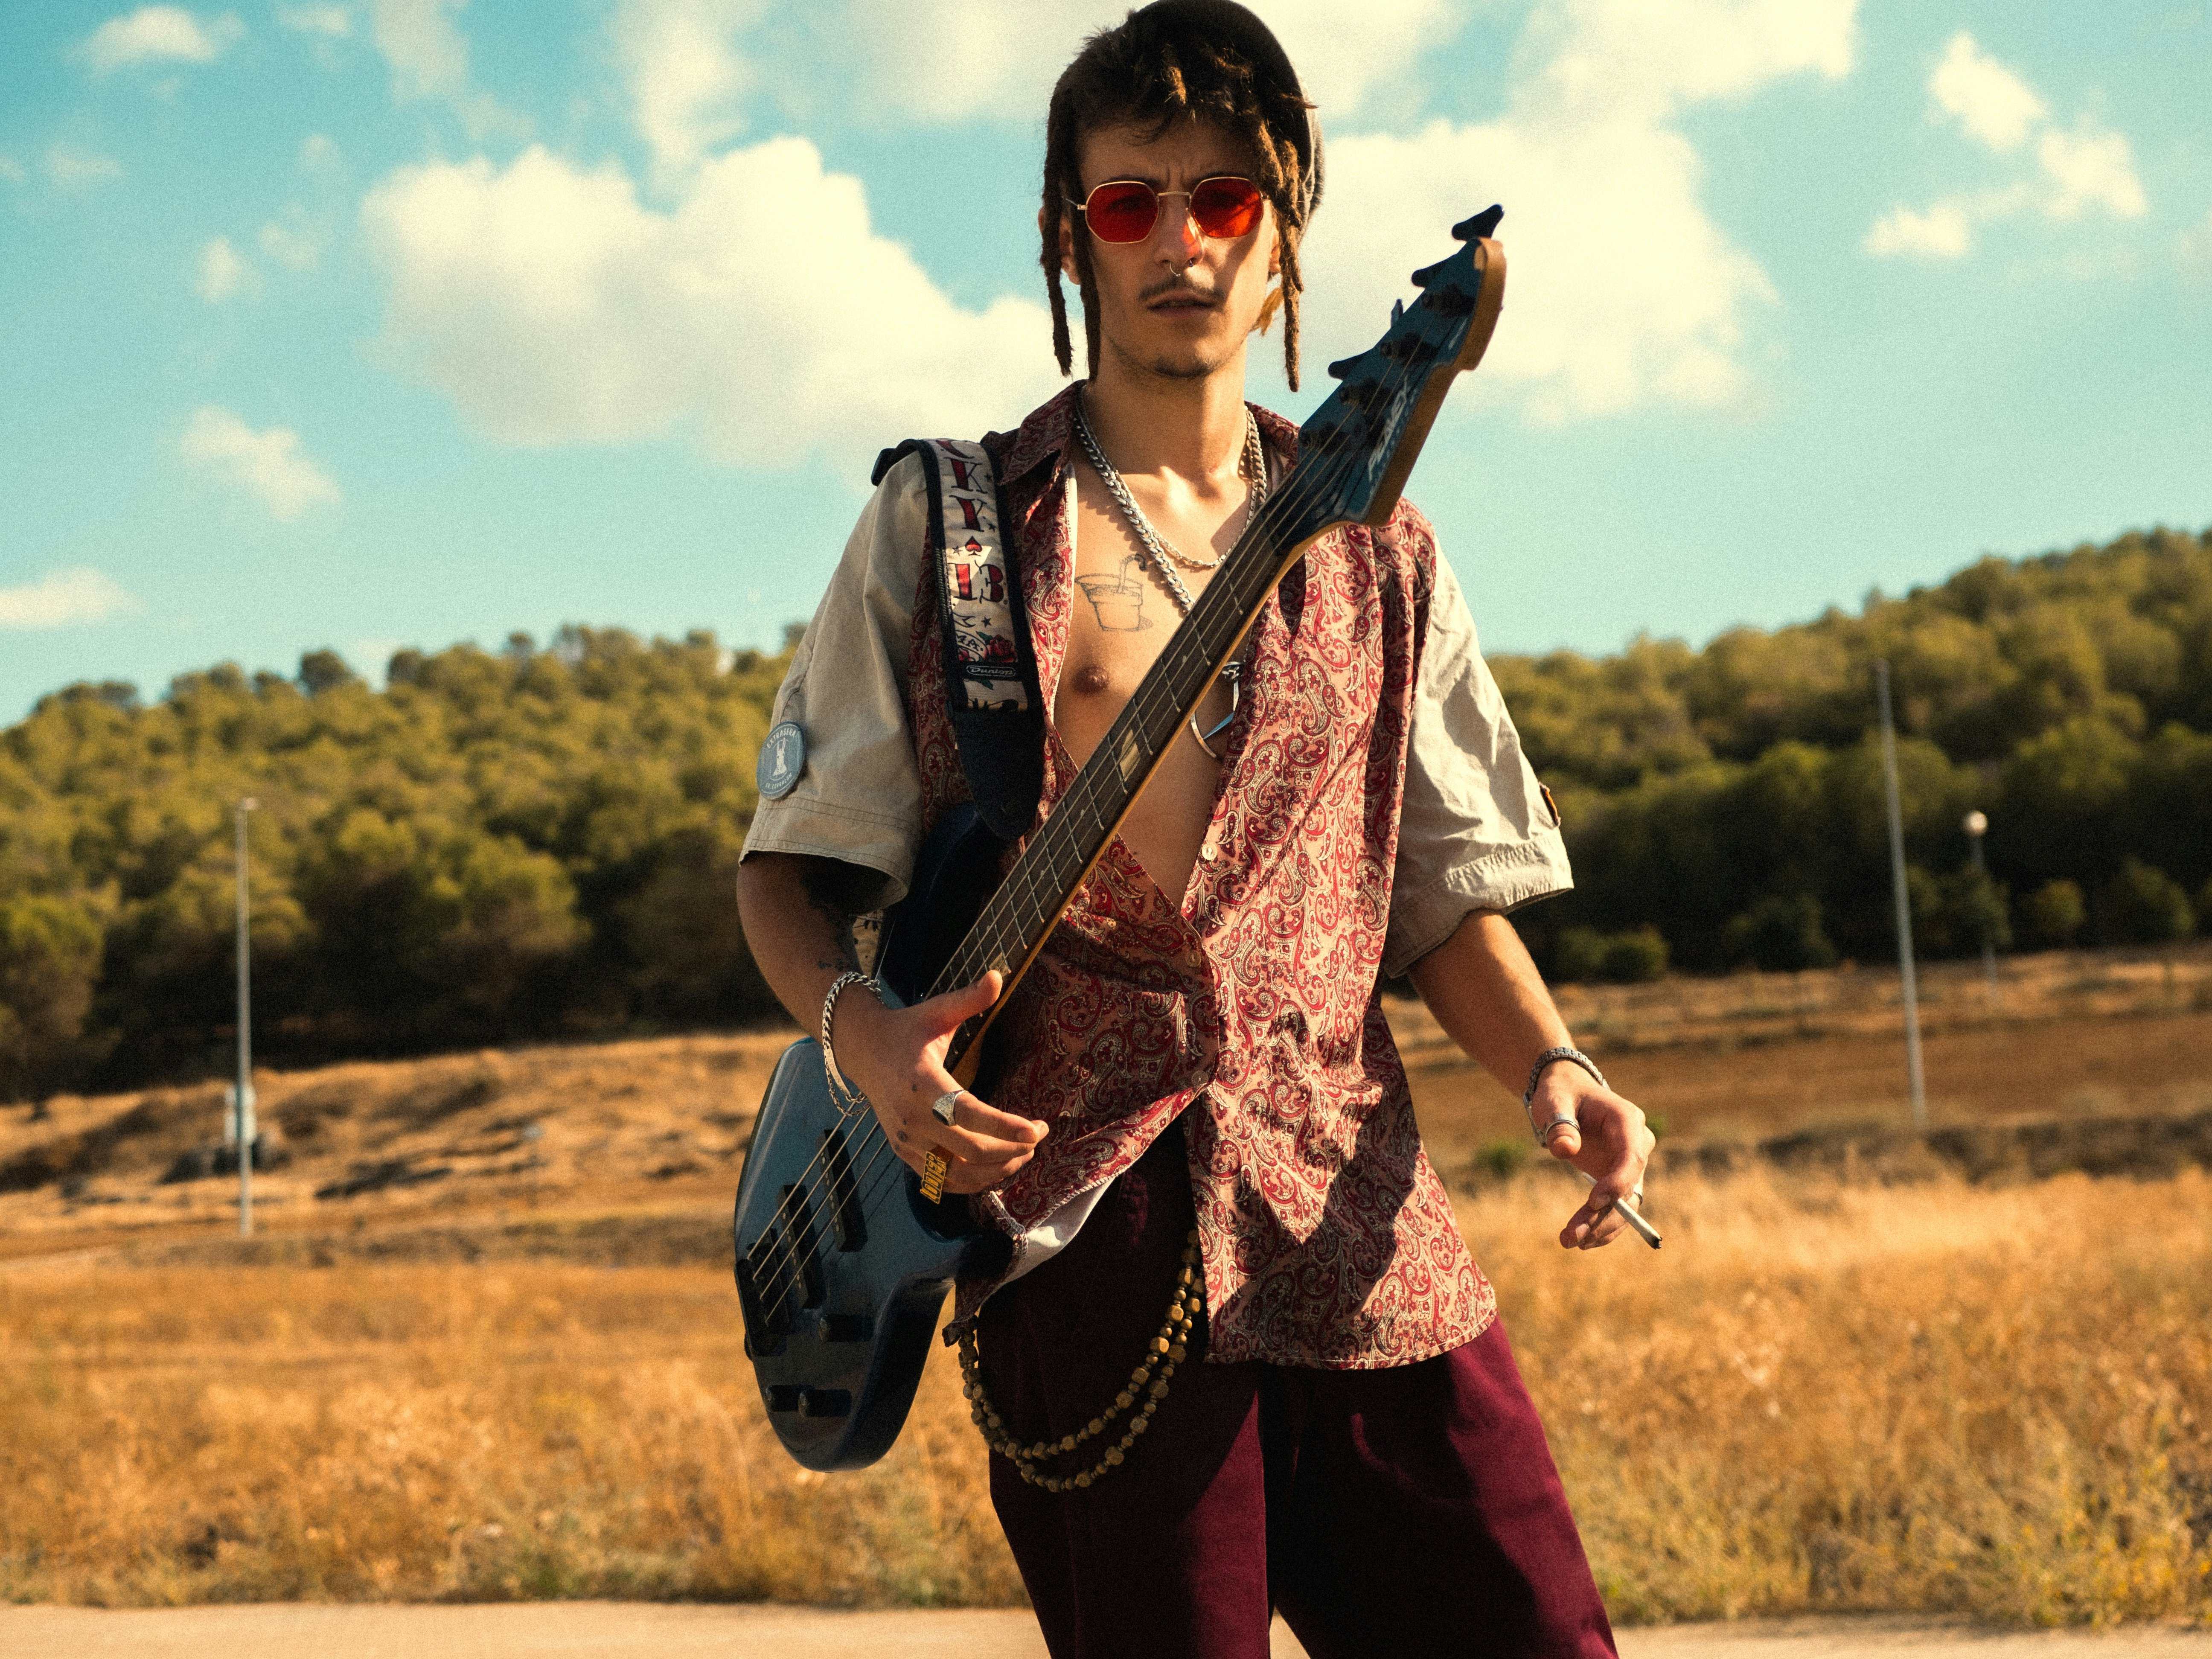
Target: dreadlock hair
[[1141, 73]]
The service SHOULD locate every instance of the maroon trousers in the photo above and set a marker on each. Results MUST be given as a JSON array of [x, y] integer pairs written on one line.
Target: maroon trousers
[[1409, 1512]]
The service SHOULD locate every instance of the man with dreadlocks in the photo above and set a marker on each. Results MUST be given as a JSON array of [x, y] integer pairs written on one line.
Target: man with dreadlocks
[[1199, 1103]]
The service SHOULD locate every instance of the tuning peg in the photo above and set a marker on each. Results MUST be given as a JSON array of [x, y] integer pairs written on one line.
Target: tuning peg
[[1482, 224], [1342, 367], [1428, 274], [1397, 310]]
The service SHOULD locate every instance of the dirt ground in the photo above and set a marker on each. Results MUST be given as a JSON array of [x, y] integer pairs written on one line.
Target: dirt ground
[[628, 1152], [618, 1631]]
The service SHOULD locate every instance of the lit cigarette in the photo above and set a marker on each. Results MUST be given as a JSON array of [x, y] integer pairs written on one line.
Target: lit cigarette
[[1643, 1229]]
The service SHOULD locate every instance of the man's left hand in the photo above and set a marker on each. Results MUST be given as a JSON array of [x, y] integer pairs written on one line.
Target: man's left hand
[[1605, 1137]]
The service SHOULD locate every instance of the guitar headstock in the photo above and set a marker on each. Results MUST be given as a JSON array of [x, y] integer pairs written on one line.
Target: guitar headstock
[[1356, 450]]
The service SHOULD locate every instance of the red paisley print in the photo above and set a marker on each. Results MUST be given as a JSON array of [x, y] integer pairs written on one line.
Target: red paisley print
[[1327, 1238]]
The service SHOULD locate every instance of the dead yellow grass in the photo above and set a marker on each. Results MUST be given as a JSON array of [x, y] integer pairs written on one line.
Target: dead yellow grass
[[1931, 1399], [414, 1433], [1817, 1396]]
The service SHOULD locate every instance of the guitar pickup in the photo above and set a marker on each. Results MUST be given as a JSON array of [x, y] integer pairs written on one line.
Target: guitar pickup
[[848, 1224], [809, 1402]]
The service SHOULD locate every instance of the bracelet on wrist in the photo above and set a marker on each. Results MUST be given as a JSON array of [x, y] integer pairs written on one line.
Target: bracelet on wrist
[[842, 1094], [1552, 1057]]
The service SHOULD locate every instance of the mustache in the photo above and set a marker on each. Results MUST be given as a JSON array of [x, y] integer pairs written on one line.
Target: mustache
[[1178, 285]]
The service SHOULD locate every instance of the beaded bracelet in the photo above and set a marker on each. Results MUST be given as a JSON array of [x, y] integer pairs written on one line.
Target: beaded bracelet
[[842, 1094]]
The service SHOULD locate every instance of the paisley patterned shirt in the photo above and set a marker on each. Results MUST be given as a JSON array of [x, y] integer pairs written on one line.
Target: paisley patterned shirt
[[1251, 1007]]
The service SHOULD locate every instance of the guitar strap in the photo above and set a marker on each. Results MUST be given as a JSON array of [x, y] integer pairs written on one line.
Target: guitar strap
[[991, 691]]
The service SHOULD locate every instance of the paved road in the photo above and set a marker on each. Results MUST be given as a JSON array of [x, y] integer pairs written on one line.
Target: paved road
[[607, 1630]]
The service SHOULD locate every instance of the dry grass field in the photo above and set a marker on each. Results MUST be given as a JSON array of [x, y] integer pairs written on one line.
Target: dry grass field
[[1817, 1396], [485, 1346]]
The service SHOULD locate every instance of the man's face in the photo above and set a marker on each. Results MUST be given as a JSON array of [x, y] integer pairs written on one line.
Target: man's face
[[1179, 302]]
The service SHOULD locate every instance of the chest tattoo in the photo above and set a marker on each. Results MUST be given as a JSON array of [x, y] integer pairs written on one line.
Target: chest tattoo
[[1118, 600]]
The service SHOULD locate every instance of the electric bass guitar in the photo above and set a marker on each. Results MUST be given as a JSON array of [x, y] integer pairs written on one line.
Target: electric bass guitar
[[842, 1265]]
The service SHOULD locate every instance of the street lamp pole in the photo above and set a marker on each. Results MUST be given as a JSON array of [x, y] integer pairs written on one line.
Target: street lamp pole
[[1903, 894], [242, 1097], [1977, 825]]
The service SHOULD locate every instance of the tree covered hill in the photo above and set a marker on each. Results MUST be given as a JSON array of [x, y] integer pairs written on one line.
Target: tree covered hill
[[531, 843], [1731, 798], [541, 843]]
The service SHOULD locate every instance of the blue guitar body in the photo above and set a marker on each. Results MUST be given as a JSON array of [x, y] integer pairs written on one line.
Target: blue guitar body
[[842, 1265]]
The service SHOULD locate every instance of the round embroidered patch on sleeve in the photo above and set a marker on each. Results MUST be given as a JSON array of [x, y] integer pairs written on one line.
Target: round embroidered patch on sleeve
[[782, 758]]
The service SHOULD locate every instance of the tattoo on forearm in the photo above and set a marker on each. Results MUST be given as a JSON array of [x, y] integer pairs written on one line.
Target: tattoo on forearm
[[822, 896]]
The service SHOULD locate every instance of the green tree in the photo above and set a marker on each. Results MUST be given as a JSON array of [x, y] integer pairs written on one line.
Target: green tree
[[2144, 905], [2053, 916], [50, 951]]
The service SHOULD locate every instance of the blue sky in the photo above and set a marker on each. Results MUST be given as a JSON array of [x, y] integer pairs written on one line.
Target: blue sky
[[404, 321]]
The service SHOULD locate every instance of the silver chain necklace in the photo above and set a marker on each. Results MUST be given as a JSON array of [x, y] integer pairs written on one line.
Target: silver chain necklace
[[1163, 553], [1159, 553]]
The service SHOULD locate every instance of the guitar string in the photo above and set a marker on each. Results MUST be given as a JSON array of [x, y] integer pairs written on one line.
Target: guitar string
[[866, 1185], [1320, 478], [1301, 487]]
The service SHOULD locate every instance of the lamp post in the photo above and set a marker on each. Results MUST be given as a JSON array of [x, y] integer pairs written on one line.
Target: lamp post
[[1977, 826], [242, 1096], [1903, 896]]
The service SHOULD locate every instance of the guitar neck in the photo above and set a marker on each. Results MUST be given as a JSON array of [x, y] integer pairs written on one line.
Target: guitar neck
[[1021, 914], [1354, 454]]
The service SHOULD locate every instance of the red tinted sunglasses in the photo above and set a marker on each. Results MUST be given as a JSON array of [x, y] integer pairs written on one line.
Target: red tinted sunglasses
[[1125, 209]]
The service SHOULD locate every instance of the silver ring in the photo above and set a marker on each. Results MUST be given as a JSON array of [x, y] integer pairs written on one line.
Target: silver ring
[[1544, 1133], [942, 1108]]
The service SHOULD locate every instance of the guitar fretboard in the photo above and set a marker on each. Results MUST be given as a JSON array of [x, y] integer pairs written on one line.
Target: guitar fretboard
[[1038, 887], [1354, 456]]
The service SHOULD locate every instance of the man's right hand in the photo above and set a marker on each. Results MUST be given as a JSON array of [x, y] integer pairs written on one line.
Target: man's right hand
[[896, 1057]]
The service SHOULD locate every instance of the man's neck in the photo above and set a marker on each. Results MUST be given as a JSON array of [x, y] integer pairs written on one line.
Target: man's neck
[[1190, 429]]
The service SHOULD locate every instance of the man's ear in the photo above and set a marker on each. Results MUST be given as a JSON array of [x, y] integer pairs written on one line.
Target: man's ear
[[1066, 246]]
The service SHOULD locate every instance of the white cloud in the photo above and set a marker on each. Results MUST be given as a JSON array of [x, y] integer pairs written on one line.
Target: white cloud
[[2089, 168], [61, 598], [224, 271], [428, 54], [269, 466], [998, 58], [686, 74], [297, 244], [1989, 101], [319, 159], [72, 168], [2192, 250], [1623, 291], [429, 57], [2075, 171], [554, 306], [1943, 230], [159, 34], [326, 21]]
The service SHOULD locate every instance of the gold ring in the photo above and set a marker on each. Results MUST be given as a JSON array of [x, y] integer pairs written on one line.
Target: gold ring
[[933, 1171]]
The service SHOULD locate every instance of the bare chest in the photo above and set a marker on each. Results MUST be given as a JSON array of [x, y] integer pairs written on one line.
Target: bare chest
[[1124, 614]]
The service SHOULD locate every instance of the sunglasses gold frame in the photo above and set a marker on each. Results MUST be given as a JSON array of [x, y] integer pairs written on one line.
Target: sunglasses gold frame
[[1083, 207]]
